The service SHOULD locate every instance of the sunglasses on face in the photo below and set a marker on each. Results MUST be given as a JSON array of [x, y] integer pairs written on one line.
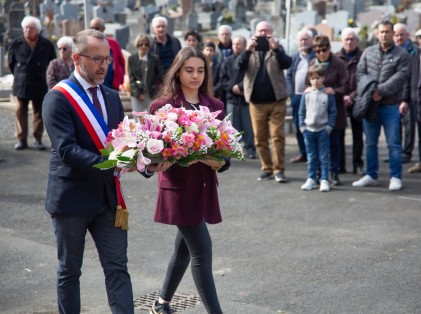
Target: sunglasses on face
[[143, 45], [62, 48], [321, 50]]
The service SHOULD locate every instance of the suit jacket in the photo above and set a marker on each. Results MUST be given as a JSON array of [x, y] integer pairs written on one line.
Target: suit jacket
[[154, 76], [29, 67], [188, 195], [74, 187]]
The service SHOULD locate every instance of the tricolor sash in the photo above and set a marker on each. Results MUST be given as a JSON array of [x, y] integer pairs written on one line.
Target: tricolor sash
[[98, 131]]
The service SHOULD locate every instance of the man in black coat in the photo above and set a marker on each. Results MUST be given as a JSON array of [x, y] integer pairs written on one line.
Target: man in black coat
[[28, 57], [232, 81]]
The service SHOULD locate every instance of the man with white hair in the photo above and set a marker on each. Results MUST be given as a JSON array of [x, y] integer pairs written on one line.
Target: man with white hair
[[224, 47], [350, 54], [401, 39], [296, 77], [28, 58], [163, 44]]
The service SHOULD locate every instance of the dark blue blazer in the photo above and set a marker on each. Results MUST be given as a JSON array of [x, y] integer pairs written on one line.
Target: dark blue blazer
[[75, 188]]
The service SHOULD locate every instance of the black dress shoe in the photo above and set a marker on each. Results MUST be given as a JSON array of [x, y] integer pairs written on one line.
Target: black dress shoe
[[335, 179], [39, 145], [21, 145]]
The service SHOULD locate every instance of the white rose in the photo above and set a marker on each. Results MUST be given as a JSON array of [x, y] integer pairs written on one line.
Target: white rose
[[155, 146], [113, 155], [192, 128], [172, 116]]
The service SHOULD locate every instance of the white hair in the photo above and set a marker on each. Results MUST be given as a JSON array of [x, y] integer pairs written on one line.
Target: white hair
[[28, 20], [224, 27], [157, 19], [400, 26], [66, 41], [305, 31], [348, 31]]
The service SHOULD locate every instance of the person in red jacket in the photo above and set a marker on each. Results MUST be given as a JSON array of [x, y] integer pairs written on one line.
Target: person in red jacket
[[188, 196], [116, 70]]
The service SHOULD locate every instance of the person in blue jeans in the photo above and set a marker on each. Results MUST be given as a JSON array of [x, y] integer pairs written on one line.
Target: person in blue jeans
[[317, 117], [390, 65]]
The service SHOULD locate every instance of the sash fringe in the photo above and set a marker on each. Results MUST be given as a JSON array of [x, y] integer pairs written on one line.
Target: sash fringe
[[122, 218]]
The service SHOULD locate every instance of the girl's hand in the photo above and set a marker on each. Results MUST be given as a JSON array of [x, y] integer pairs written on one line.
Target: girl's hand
[[214, 164]]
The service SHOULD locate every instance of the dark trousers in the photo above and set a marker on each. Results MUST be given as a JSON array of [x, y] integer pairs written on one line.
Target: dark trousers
[[192, 244], [408, 125], [240, 117], [295, 103], [335, 150], [357, 142], [111, 243]]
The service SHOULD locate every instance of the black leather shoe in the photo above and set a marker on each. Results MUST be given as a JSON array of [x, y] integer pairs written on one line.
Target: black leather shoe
[[21, 145], [335, 179], [39, 145]]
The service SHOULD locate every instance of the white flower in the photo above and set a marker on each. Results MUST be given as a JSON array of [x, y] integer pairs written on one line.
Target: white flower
[[171, 125], [114, 154], [154, 146], [192, 128], [129, 153], [172, 116]]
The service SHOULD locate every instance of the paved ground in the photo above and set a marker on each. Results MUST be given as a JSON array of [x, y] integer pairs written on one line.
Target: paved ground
[[278, 250]]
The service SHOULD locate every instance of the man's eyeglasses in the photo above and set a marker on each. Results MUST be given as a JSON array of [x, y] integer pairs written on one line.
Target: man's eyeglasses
[[99, 59], [62, 48], [143, 45], [95, 28], [318, 51]]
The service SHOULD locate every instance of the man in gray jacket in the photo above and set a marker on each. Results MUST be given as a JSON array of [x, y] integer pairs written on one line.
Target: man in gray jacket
[[387, 63], [265, 89]]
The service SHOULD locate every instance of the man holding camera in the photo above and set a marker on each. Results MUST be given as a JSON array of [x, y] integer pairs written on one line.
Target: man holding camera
[[265, 89]]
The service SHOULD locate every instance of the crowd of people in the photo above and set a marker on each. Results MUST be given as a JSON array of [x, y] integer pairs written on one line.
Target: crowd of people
[[76, 97]]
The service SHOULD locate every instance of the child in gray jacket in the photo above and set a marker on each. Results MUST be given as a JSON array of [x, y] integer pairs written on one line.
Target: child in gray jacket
[[316, 118]]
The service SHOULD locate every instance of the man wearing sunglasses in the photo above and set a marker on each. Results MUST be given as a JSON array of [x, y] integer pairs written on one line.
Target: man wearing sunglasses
[[116, 69], [78, 114]]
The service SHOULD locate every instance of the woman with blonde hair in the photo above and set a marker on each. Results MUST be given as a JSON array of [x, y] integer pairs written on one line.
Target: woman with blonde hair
[[145, 74]]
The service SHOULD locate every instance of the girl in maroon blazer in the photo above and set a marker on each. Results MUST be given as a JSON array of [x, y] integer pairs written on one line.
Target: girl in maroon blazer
[[188, 196]]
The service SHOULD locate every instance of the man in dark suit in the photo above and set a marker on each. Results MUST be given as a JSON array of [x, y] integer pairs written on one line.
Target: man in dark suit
[[28, 58], [81, 198]]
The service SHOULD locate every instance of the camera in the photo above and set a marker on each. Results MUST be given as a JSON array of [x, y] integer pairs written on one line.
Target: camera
[[262, 43]]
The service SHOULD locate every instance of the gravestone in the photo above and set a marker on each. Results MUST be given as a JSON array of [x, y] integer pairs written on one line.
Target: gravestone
[[120, 17], [305, 18], [240, 12], [349, 6], [253, 24], [119, 5], [325, 29], [320, 8], [69, 11], [367, 18], [193, 21], [46, 7], [214, 15], [338, 20], [14, 20], [106, 12], [413, 20], [122, 35]]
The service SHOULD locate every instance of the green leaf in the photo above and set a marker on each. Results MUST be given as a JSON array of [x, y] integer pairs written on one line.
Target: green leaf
[[108, 164]]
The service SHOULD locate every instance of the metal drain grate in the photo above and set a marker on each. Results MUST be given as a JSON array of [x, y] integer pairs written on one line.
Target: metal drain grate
[[179, 302]]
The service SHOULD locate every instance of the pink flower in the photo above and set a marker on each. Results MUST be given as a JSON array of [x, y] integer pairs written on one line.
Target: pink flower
[[188, 139]]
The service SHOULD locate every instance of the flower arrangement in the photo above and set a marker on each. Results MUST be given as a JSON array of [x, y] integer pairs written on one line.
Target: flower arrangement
[[175, 135]]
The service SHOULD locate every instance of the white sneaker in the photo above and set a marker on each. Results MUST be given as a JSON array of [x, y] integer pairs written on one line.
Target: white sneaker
[[365, 181], [395, 184], [309, 185], [324, 186]]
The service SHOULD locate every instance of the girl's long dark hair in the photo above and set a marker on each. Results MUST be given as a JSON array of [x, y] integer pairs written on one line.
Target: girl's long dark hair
[[171, 87]]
